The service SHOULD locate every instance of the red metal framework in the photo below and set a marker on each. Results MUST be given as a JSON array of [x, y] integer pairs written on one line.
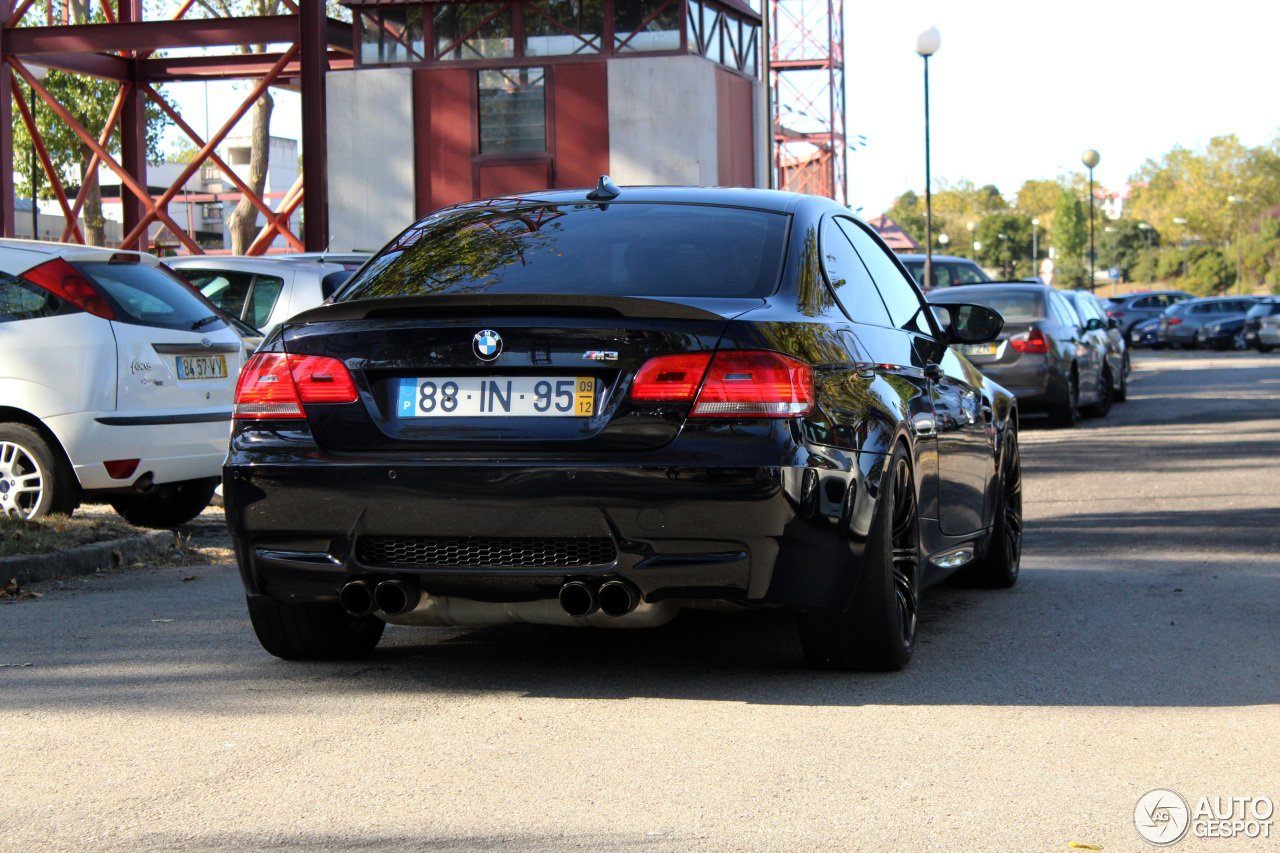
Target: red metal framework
[[122, 49], [806, 81]]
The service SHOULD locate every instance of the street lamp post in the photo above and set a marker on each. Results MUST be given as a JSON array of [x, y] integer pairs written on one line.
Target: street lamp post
[[1007, 261], [927, 44], [1091, 158], [1179, 220], [973, 248], [1035, 247], [38, 72], [1239, 203], [1151, 268]]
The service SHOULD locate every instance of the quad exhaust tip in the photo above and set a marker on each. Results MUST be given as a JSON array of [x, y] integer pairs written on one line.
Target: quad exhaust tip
[[396, 597], [618, 598], [578, 599], [357, 598]]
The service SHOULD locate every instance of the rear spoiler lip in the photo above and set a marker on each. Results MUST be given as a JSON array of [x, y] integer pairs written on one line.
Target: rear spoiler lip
[[606, 307]]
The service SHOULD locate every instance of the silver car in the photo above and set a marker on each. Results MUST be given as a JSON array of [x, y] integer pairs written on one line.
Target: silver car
[[1108, 333], [263, 291], [1046, 354]]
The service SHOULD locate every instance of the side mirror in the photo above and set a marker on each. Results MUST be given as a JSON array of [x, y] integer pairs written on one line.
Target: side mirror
[[1093, 325], [964, 323], [1113, 323]]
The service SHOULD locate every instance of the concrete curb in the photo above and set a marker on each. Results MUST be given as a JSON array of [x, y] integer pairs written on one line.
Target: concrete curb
[[84, 560]]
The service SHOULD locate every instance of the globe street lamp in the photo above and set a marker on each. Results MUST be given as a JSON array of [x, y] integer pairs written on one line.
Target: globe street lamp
[[943, 240], [927, 44], [1091, 158], [1151, 277], [1239, 203]]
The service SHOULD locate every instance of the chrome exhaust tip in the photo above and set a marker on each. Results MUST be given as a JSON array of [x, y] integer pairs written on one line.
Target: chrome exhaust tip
[[356, 598], [618, 598], [396, 597], [578, 599]]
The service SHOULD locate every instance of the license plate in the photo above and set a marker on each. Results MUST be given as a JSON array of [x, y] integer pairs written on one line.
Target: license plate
[[202, 366], [978, 349], [497, 397]]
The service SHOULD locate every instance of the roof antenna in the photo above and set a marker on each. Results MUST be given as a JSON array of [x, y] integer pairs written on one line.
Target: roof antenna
[[605, 190]]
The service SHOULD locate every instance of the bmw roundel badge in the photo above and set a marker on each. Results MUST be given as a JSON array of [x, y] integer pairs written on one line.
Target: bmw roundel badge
[[487, 345]]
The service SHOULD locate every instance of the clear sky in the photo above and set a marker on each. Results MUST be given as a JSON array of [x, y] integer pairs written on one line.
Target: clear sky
[[1019, 88]]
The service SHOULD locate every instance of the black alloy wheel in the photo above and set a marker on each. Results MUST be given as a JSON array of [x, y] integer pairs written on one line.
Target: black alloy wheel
[[1106, 394], [877, 631], [1000, 565]]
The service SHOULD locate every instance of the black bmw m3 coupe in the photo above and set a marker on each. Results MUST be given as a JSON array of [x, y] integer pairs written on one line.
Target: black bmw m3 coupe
[[594, 408]]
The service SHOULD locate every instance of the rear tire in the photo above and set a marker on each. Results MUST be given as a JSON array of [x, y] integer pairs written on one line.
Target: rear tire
[[35, 479], [999, 566], [313, 630], [1265, 347], [1106, 395], [1122, 392], [877, 631], [168, 506], [1068, 414]]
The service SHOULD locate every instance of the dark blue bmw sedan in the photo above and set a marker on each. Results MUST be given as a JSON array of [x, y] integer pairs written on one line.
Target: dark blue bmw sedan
[[593, 408]]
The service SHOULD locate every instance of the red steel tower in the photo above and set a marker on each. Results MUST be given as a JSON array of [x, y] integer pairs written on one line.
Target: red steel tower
[[806, 81]]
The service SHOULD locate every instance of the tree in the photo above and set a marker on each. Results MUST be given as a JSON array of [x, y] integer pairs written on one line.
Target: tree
[[1006, 241], [1124, 246], [908, 213], [1195, 185], [89, 100], [1069, 236], [1038, 197]]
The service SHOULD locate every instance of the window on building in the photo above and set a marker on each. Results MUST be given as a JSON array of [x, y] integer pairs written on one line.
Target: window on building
[[473, 31], [562, 27], [513, 110], [723, 37], [211, 212], [210, 172], [392, 36], [646, 25]]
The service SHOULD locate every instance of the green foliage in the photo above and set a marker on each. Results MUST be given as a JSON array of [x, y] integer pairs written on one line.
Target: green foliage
[[908, 213], [1039, 197], [1070, 232], [1006, 241], [1123, 244]]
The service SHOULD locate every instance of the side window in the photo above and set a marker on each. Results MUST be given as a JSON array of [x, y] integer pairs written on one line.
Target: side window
[[899, 296], [21, 300], [266, 289], [849, 280], [1089, 309], [1066, 314], [227, 290], [943, 275], [1150, 302], [966, 274], [1200, 309]]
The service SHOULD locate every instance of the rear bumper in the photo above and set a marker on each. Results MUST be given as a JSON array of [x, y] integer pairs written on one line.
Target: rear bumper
[[192, 448], [1031, 381], [682, 523]]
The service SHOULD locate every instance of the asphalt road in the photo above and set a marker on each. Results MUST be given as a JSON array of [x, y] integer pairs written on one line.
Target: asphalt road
[[1140, 650]]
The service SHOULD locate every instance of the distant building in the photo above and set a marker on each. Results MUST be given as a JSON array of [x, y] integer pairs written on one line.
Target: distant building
[[1112, 201], [893, 235], [453, 101], [204, 205]]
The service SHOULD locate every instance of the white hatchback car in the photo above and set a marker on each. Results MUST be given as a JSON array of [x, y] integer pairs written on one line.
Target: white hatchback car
[[116, 384]]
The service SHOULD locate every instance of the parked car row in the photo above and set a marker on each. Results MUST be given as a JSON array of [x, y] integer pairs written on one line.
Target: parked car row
[[1216, 322], [1059, 353]]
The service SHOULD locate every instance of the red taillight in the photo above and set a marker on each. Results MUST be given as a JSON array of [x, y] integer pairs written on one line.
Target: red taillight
[[275, 385], [1033, 342], [670, 378], [61, 279], [1173, 321], [735, 384], [322, 380]]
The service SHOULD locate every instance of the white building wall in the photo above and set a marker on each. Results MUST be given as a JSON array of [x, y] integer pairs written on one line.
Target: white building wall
[[676, 146], [371, 156]]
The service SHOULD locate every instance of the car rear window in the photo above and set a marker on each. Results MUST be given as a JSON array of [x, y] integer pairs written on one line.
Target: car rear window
[[148, 295], [601, 249], [1016, 306]]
